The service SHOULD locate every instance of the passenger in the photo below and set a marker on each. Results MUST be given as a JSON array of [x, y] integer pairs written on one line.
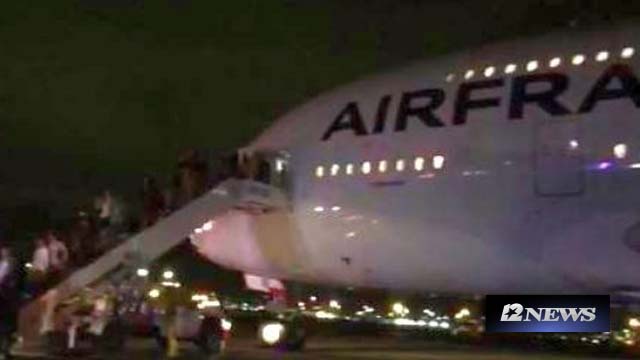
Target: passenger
[[58, 255], [104, 205], [9, 298], [169, 302], [152, 202], [7, 264], [41, 262], [80, 240], [110, 215], [173, 198], [193, 174]]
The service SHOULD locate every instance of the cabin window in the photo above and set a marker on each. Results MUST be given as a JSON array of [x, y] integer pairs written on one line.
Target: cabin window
[[488, 72], [620, 151], [578, 59], [510, 69], [382, 166], [366, 167], [602, 56], [335, 169], [438, 162], [349, 169]]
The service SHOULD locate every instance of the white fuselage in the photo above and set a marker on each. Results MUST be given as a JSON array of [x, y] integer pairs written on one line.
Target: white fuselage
[[535, 186]]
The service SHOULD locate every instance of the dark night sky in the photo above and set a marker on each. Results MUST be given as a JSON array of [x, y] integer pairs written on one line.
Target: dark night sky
[[94, 93]]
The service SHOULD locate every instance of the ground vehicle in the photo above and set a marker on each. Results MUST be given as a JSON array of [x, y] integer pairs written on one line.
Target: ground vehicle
[[207, 328], [102, 322], [87, 323]]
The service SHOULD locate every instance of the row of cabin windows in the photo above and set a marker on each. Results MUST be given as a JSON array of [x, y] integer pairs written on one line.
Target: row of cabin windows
[[533, 65], [382, 166]]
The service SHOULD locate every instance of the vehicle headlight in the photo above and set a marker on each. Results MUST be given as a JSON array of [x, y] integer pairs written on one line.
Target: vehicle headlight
[[272, 333], [226, 324]]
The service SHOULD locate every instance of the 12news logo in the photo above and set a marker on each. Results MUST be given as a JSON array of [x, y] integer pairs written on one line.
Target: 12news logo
[[514, 312], [547, 313]]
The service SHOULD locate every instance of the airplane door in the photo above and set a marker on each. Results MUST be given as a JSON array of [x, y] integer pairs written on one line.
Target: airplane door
[[559, 158]]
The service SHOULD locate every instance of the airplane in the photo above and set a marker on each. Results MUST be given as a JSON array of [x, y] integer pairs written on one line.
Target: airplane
[[511, 168], [508, 169]]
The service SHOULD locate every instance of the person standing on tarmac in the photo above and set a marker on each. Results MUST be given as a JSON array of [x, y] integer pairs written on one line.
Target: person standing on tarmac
[[170, 299], [10, 284]]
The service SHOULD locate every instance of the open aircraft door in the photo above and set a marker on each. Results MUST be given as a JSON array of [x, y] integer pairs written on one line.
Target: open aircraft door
[[559, 158]]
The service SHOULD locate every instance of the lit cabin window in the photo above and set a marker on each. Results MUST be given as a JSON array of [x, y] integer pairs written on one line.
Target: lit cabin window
[[469, 74], [335, 169], [488, 72], [578, 59], [382, 166], [349, 169], [319, 171], [602, 56], [366, 167], [627, 52], [400, 165], [438, 162], [418, 164], [620, 151], [450, 78], [555, 62], [510, 69], [533, 65]]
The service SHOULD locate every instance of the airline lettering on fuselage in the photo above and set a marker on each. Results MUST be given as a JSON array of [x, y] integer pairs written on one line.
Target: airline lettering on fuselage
[[617, 82]]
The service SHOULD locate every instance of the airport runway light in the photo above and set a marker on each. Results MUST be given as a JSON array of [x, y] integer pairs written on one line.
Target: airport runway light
[[208, 304], [199, 297], [629, 342], [142, 272], [154, 293], [397, 308], [168, 275], [400, 309], [171, 284], [321, 314], [464, 312], [429, 312], [634, 322]]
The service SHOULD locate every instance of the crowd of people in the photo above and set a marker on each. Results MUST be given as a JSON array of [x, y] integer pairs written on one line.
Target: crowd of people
[[92, 232]]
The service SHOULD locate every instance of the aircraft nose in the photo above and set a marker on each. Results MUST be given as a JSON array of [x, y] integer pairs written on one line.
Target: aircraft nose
[[229, 240], [632, 237]]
